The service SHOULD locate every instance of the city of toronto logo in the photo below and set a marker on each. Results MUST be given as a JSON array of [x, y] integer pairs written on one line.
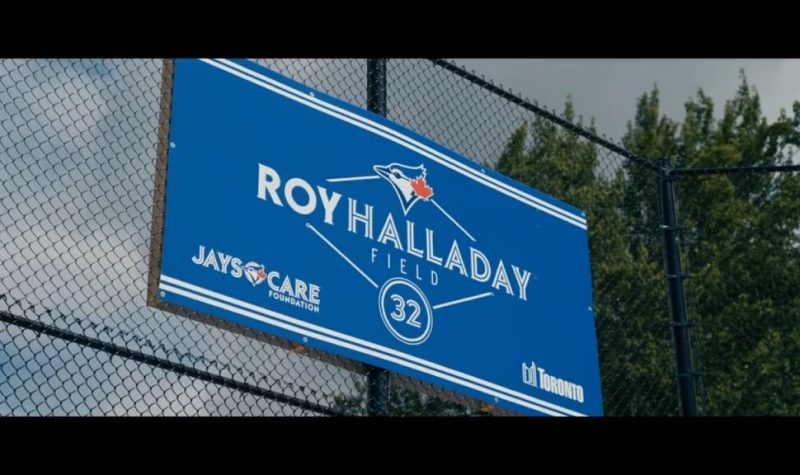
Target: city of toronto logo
[[408, 182], [254, 272]]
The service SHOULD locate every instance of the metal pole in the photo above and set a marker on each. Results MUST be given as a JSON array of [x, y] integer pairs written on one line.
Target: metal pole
[[376, 86], [377, 378], [675, 278]]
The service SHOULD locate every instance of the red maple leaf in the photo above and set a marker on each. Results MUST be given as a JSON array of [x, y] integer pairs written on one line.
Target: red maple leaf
[[261, 274], [421, 189]]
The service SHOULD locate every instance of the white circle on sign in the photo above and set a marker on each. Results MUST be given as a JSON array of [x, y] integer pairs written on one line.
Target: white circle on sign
[[411, 317]]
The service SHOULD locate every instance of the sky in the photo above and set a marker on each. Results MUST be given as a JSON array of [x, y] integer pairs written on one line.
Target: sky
[[608, 88], [77, 155]]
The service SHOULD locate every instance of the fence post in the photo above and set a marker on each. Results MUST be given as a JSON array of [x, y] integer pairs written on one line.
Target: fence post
[[675, 278], [377, 378]]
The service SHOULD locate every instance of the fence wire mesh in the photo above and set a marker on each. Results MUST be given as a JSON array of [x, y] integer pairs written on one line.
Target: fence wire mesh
[[78, 144], [742, 252]]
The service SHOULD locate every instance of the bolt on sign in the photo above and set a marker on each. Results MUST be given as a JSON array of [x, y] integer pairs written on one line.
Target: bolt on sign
[[292, 213]]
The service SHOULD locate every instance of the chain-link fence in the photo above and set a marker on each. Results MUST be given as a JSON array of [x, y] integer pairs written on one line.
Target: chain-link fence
[[78, 145], [742, 254]]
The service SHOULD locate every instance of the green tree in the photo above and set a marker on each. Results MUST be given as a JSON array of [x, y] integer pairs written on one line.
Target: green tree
[[743, 248], [741, 243], [628, 284]]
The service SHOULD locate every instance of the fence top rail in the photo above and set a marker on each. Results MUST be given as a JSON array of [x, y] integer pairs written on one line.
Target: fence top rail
[[526, 104], [734, 170]]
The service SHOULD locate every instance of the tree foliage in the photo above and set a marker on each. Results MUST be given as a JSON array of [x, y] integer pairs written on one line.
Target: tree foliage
[[633, 337], [741, 243]]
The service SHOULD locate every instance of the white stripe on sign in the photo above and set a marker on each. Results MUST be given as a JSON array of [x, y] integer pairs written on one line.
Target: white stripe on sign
[[395, 133], [385, 353], [349, 346], [394, 136]]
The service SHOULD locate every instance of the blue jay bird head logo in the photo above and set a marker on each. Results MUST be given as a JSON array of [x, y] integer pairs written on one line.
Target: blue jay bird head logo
[[254, 272], [408, 182]]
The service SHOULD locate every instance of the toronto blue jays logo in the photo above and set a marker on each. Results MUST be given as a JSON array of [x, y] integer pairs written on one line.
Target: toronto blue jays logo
[[408, 182], [254, 272]]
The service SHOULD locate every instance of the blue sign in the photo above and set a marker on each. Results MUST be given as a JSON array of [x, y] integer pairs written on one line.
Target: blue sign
[[294, 213]]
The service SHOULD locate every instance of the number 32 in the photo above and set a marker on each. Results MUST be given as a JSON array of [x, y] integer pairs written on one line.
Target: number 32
[[399, 313]]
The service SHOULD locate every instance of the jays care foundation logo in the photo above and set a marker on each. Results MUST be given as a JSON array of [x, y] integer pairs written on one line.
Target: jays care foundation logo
[[254, 272], [283, 288]]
